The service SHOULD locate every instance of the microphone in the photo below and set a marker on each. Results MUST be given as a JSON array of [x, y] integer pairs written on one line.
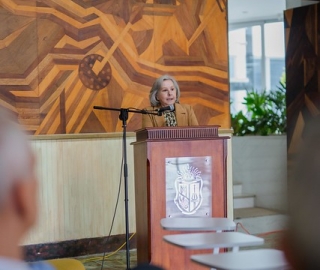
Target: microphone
[[167, 108]]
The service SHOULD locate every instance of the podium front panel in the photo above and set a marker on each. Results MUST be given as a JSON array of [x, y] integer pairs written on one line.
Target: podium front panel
[[188, 186]]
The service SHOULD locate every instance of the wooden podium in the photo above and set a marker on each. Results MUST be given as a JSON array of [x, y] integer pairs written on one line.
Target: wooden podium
[[179, 172]]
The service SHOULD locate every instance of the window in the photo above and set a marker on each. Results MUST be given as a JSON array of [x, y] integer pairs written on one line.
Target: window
[[256, 59]]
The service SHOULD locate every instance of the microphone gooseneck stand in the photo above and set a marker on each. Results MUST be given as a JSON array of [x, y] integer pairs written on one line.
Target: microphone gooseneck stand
[[123, 116]]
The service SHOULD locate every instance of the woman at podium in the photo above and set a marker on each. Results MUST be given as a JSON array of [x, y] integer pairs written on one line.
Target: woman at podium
[[164, 98]]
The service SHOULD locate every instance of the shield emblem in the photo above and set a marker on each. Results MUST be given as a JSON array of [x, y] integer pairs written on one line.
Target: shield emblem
[[188, 190]]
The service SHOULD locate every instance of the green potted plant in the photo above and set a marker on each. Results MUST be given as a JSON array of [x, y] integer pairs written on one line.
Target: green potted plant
[[265, 113]]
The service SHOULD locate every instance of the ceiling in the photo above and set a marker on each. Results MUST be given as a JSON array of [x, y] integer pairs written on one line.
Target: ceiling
[[240, 11]]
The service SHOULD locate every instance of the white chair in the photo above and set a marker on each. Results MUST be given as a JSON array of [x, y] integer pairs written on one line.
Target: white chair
[[198, 224], [217, 224], [258, 259], [213, 240]]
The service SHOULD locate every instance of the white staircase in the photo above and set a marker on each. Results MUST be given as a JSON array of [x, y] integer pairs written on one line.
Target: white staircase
[[255, 219], [240, 199]]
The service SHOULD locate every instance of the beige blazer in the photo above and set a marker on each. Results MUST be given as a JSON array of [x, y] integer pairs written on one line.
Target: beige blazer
[[184, 115]]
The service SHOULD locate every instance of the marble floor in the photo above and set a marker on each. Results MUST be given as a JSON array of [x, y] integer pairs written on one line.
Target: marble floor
[[111, 261]]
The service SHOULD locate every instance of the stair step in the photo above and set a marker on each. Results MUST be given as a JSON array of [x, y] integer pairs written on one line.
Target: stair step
[[243, 195], [237, 188], [253, 212], [243, 200], [260, 220]]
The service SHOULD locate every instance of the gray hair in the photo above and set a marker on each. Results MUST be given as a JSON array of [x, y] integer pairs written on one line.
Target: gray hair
[[16, 157], [156, 87]]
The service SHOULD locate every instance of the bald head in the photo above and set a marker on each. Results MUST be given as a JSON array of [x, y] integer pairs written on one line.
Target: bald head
[[16, 159]]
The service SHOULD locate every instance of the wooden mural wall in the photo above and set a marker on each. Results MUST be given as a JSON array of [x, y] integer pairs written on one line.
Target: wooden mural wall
[[59, 58], [303, 85], [302, 71]]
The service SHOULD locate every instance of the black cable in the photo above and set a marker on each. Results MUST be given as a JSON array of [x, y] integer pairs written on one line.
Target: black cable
[[114, 213]]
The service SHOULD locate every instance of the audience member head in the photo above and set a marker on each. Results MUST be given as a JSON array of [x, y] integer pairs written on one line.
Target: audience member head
[[18, 186], [302, 240]]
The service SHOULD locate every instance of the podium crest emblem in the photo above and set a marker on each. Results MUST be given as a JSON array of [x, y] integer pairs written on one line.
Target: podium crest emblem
[[188, 186]]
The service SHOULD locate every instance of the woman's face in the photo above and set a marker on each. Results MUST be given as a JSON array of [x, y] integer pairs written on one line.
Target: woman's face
[[167, 93]]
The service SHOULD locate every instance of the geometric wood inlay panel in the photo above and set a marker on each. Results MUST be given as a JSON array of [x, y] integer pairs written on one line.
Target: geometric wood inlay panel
[[302, 71], [89, 78], [60, 58]]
